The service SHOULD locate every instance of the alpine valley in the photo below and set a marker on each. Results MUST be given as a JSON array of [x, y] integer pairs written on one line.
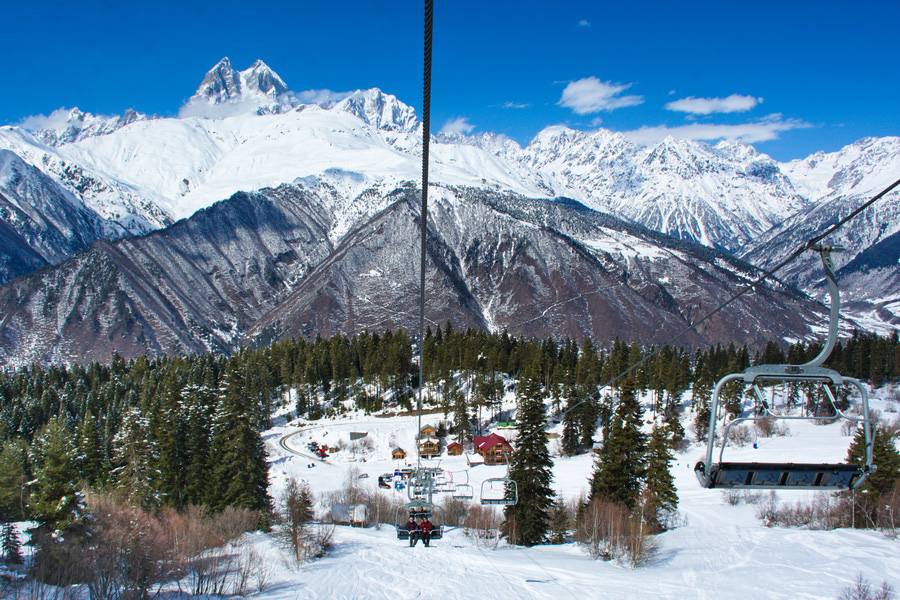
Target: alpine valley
[[258, 213]]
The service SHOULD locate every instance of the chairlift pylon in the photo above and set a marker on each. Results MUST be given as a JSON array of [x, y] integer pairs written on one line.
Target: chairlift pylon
[[790, 475]]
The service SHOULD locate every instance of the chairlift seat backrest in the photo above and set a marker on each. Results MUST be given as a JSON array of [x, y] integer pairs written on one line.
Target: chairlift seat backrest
[[463, 491], [499, 491]]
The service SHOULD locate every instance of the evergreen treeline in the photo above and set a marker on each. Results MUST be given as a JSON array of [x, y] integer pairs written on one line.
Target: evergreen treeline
[[179, 431]]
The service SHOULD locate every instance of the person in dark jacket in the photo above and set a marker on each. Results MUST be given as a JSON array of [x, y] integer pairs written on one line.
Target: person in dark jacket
[[427, 526], [413, 528]]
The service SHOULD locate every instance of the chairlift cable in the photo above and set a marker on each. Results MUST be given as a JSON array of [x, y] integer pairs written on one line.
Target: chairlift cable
[[426, 138], [420, 484]]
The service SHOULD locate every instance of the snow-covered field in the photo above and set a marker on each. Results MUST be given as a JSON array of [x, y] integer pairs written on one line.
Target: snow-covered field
[[717, 551], [720, 550]]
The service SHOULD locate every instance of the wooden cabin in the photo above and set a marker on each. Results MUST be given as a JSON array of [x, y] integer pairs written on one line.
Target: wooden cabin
[[398, 453], [494, 448], [454, 449], [429, 447], [427, 432]]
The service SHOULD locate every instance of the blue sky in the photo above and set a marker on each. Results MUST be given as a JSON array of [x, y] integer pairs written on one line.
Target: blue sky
[[791, 77]]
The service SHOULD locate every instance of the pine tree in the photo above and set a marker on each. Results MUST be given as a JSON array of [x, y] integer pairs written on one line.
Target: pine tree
[[571, 437], [56, 502], [621, 463], [169, 425], [659, 478], [238, 469], [134, 474], [297, 504], [674, 428], [462, 422], [93, 461], [12, 545], [199, 402], [587, 379], [527, 520], [885, 456], [560, 523], [13, 468]]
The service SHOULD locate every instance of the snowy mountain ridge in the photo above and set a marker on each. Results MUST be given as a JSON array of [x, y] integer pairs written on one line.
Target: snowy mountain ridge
[[245, 130]]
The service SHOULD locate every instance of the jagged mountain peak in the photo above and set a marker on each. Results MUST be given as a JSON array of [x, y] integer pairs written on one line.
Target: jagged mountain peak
[[225, 91], [261, 78], [221, 84], [556, 136], [68, 125], [739, 151], [380, 110], [684, 157], [562, 141]]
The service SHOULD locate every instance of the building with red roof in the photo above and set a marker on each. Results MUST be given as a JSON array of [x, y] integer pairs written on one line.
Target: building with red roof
[[494, 448]]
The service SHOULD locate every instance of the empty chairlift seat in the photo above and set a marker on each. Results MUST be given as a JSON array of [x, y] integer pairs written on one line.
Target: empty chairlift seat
[[735, 475], [791, 475]]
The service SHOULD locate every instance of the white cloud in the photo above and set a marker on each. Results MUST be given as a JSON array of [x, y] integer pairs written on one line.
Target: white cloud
[[320, 96], [457, 126], [210, 110], [757, 131], [514, 105], [58, 119], [590, 95], [706, 106], [584, 23]]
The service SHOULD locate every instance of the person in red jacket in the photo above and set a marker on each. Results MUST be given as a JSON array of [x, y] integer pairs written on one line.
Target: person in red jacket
[[426, 527], [413, 528]]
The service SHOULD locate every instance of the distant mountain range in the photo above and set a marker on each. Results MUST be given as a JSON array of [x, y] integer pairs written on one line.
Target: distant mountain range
[[332, 168]]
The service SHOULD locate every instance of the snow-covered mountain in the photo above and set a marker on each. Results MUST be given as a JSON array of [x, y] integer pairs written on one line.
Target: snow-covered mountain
[[67, 126], [721, 196], [274, 263], [837, 183], [122, 208], [40, 222], [245, 130], [227, 92]]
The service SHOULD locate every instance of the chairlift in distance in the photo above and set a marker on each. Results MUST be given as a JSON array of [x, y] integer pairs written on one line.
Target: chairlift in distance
[[500, 491], [788, 475]]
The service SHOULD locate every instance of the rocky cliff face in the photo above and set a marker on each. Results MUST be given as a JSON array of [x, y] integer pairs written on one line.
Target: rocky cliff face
[[41, 223]]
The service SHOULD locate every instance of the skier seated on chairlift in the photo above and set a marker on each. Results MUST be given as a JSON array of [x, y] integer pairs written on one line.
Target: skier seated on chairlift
[[426, 527], [413, 528]]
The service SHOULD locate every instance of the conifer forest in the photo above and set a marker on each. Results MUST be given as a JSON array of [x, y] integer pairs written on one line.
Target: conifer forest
[[183, 434]]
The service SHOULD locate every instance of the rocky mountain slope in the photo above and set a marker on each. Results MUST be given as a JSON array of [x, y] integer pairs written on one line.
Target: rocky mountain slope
[[261, 266], [41, 223], [838, 183]]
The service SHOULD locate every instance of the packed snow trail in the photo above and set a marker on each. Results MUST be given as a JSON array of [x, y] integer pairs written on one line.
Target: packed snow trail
[[375, 565], [718, 551]]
